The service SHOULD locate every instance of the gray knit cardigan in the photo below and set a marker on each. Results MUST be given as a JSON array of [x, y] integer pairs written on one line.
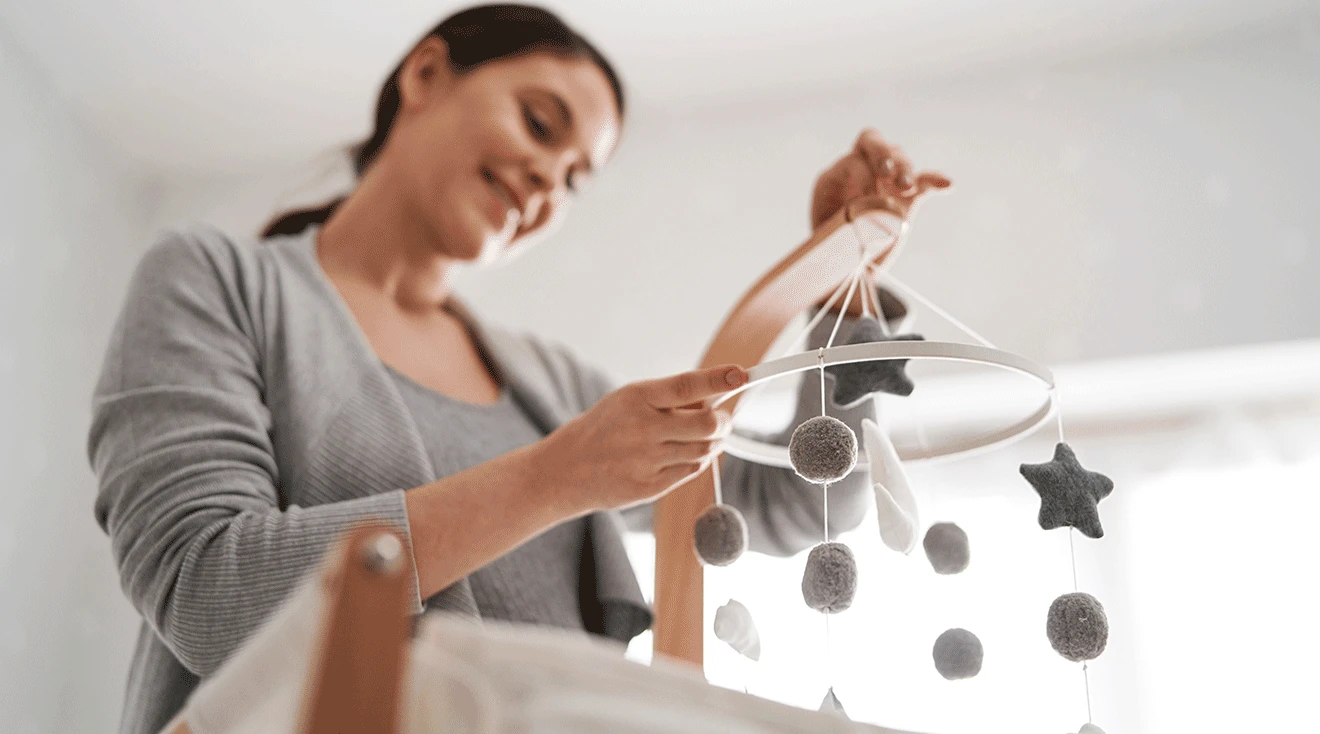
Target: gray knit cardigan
[[242, 423]]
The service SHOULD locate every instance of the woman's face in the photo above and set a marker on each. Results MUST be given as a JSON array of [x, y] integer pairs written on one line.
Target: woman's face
[[490, 157]]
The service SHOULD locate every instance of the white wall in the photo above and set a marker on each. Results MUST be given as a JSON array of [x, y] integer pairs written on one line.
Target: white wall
[[1102, 208], [1151, 201], [72, 219]]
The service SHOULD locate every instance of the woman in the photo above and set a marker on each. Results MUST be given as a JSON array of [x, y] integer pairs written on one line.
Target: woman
[[257, 399]]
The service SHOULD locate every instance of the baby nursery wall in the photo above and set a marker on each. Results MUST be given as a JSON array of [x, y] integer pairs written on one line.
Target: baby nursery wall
[[1135, 211]]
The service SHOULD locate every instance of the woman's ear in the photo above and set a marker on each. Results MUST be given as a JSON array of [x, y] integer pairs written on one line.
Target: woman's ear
[[424, 72]]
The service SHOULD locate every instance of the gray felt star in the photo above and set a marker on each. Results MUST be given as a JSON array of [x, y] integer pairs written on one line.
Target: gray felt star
[[1069, 494], [854, 382]]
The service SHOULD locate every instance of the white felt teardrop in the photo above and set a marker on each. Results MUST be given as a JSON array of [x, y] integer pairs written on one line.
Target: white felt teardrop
[[734, 625], [831, 705], [887, 472], [896, 528]]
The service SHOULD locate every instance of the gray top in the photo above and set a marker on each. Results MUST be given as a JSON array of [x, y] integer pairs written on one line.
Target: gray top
[[537, 582], [242, 423]]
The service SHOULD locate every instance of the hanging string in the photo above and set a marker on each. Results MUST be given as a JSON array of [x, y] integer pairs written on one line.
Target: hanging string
[[847, 301], [1058, 410], [907, 291], [715, 468], [1086, 682], [1072, 553], [838, 291], [868, 293], [829, 655]]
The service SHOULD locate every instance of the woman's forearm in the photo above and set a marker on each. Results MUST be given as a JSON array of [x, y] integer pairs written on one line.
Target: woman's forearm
[[466, 520]]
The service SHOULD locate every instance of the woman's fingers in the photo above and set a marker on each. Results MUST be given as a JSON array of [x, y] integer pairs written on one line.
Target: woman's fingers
[[928, 180], [687, 452], [890, 168], [676, 475], [687, 424], [687, 388]]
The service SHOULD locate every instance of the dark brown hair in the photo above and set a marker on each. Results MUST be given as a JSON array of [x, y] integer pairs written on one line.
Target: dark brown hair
[[474, 37]]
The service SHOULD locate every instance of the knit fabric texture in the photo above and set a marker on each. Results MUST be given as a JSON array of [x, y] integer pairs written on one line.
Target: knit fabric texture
[[241, 424]]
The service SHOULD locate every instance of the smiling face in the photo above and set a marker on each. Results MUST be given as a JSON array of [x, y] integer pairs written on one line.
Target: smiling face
[[490, 157]]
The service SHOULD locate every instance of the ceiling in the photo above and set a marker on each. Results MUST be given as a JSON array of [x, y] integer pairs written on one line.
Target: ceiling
[[221, 87]]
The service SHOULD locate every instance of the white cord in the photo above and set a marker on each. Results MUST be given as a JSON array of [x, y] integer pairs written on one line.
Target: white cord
[[715, 467], [847, 301], [838, 291], [910, 293]]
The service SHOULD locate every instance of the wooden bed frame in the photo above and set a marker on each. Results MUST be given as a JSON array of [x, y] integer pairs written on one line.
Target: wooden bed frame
[[355, 679], [804, 278]]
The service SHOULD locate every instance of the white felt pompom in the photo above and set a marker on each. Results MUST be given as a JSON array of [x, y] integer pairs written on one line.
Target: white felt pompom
[[720, 535], [823, 449], [1090, 729], [733, 625], [830, 579]]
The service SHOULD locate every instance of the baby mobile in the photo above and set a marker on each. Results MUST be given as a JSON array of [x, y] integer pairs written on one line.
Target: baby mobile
[[823, 449]]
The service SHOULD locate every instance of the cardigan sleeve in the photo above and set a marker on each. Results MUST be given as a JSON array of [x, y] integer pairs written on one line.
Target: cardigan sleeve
[[180, 441]]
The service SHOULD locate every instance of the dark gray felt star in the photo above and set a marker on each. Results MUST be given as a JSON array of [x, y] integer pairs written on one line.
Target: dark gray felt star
[[854, 382], [1069, 494]]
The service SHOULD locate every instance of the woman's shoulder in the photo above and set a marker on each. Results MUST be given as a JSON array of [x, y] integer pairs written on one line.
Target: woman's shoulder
[[199, 250]]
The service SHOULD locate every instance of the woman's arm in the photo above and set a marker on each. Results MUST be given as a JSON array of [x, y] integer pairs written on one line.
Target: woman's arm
[[180, 441]]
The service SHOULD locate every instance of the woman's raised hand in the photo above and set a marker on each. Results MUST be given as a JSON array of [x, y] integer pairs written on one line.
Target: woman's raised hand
[[872, 167], [640, 441]]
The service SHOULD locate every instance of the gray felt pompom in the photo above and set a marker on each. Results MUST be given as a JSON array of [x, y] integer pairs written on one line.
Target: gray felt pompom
[[958, 654], [720, 535], [823, 449], [830, 579], [1090, 729], [1077, 626], [946, 548]]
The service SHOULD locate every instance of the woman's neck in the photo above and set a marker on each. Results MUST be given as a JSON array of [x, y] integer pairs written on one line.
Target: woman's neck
[[372, 239]]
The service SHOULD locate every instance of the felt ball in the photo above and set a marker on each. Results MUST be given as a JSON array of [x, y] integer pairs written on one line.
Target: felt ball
[[958, 654], [823, 449], [1077, 627], [946, 548], [830, 579], [1090, 729], [720, 535]]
